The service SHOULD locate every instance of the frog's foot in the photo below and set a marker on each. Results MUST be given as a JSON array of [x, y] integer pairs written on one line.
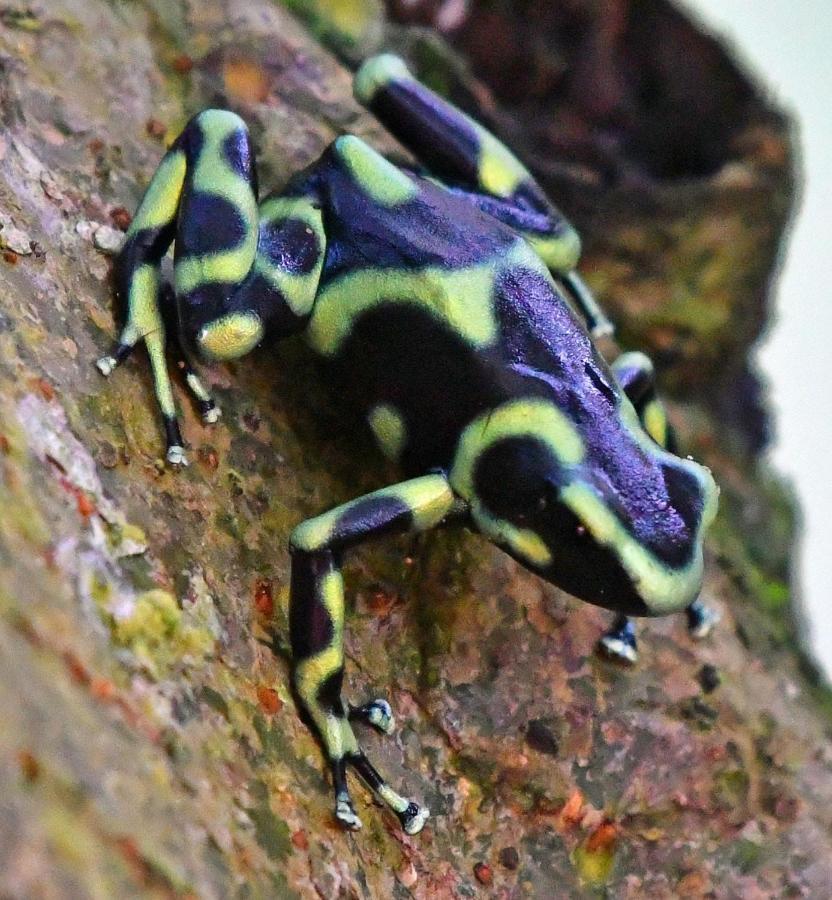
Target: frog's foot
[[377, 713], [345, 812], [619, 643], [701, 619], [106, 365], [411, 816], [208, 408]]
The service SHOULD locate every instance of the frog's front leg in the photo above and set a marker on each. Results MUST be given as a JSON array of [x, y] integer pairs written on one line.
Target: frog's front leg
[[316, 623], [637, 377]]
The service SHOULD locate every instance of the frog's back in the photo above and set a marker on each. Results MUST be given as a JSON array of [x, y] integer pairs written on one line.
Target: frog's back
[[382, 217], [429, 311]]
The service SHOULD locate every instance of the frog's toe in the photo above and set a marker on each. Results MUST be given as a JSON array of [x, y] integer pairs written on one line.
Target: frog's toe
[[206, 404], [106, 364], [619, 643], [377, 713], [345, 812], [602, 329], [176, 456], [211, 413], [701, 620], [413, 818], [614, 647]]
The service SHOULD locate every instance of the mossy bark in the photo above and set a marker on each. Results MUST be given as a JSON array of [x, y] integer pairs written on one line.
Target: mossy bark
[[149, 743]]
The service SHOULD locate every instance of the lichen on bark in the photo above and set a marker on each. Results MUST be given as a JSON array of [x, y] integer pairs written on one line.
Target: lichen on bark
[[150, 744]]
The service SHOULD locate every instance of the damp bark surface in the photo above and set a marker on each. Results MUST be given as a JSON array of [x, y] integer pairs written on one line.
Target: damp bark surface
[[150, 745]]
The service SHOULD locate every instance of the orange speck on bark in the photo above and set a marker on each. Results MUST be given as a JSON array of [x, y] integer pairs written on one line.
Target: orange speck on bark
[[155, 128], [121, 218], [571, 813], [85, 506], [5, 446], [263, 599], [44, 388], [77, 670], [29, 765], [300, 840], [603, 838], [245, 80], [183, 64], [380, 602], [208, 457], [11, 257], [483, 873], [102, 688], [268, 700]]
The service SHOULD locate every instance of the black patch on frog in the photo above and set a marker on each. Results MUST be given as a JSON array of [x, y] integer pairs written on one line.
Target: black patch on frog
[[209, 224], [379, 515], [310, 625], [600, 383], [290, 245], [236, 148], [516, 478], [511, 478], [418, 120], [329, 692], [400, 354]]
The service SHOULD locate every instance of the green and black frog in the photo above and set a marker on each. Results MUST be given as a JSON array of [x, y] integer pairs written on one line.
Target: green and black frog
[[445, 303]]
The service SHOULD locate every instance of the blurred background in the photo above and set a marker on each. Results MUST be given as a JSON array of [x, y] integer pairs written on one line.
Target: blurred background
[[786, 44]]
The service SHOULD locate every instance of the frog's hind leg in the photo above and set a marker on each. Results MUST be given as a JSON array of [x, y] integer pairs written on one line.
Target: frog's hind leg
[[473, 163], [635, 373], [241, 270], [316, 622]]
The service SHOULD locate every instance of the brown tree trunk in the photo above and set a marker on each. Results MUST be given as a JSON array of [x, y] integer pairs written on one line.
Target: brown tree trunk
[[149, 744]]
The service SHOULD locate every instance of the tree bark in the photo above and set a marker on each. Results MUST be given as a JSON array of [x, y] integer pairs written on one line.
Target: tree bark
[[149, 744]]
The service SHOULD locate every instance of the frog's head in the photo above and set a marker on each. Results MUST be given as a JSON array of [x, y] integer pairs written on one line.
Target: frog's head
[[601, 511]]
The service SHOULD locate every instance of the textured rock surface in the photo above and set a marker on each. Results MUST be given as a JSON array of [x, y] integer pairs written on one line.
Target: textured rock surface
[[149, 743]]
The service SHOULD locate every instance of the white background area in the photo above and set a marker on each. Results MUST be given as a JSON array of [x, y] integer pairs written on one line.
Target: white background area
[[788, 45]]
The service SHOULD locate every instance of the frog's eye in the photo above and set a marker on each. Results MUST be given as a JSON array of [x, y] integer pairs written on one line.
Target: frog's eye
[[580, 531]]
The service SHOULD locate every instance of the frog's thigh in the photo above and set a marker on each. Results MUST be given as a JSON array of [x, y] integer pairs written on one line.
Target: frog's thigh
[[462, 153], [316, 622]]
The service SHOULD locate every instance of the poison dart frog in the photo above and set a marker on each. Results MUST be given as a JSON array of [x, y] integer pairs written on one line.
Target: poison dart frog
[[444, 299]]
